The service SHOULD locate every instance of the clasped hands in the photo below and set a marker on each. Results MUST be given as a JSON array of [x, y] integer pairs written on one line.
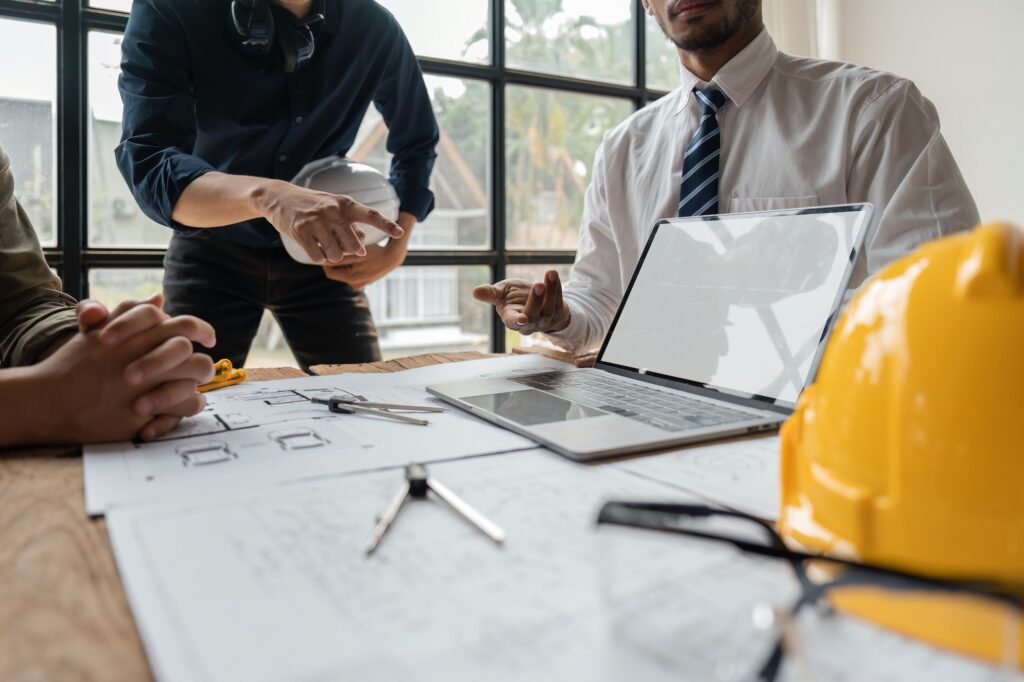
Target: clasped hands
[[127, 373]]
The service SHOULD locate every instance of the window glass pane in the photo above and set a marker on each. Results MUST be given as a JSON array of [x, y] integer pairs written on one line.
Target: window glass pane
[[552, 137], [461, 34], [589, 39], [662, 59], [28, 129], [114, 217], [114, 285], [269, 348], [431, 309], [117, 5], [532, 273], [461, 177]]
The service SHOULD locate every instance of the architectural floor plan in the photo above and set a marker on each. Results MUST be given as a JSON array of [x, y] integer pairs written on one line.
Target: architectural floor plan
[[267, 433]]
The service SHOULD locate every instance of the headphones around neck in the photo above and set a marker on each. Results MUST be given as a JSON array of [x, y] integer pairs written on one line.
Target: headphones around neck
[[275, 34]]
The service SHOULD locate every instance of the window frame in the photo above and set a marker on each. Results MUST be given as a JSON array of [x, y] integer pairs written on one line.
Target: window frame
[[74, 19]]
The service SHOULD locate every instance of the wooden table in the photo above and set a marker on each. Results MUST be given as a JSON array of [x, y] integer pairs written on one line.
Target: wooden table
[[63, 612]]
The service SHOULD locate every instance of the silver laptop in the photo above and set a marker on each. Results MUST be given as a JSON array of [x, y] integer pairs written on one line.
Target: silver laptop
[[721, 327]]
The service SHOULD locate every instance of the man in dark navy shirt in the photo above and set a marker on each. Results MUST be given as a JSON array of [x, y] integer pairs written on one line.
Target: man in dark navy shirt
[[213, 131]]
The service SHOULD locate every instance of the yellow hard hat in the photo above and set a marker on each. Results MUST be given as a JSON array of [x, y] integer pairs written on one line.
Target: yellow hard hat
[[906, 450]]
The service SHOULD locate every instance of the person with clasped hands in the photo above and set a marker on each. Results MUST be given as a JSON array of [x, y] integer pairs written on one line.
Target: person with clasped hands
[[75, 374]]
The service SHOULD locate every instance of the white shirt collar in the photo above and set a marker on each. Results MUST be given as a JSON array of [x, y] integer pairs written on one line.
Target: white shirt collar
[[740, 76]]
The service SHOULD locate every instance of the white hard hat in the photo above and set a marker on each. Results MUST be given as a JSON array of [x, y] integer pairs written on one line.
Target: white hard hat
[[364, 184]]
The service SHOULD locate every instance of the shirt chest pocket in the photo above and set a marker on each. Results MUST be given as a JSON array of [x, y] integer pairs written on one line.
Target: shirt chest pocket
[[744, 204]]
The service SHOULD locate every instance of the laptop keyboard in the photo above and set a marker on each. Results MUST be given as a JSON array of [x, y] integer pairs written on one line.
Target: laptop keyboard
[[667, 410]]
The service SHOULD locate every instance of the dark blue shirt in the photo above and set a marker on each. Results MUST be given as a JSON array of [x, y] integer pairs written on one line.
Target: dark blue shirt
[[195, 103]]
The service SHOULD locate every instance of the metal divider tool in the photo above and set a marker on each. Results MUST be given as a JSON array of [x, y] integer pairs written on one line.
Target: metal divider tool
[[416, 484], [385, 410]]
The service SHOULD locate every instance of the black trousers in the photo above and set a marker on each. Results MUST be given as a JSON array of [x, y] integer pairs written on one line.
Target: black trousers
[[229, 286]]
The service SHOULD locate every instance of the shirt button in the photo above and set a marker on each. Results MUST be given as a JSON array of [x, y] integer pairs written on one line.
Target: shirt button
[[282, 158], [298, 119]]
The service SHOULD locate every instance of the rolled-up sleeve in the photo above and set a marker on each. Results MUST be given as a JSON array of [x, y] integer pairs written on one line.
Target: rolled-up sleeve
[[159, 129], [34, 312], [403, 101]]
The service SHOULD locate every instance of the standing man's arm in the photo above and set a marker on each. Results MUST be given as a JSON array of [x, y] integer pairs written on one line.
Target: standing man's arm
[[901, 164], [404, 103], [178, 189]]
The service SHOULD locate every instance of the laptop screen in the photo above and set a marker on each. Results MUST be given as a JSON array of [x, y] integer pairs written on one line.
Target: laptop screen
[[738, 303]]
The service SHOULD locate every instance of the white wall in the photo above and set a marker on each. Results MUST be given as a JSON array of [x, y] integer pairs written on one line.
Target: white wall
[[968, 58]]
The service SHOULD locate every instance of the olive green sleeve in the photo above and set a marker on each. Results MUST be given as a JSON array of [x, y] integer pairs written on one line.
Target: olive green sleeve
[[34, 312]]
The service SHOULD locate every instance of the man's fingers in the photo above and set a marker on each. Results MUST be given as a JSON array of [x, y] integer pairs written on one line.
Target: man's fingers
[[135, 321], [489, 293], [329, 244], [554, 283], [91, 314], [357, 213], [123, 307], [531, 311], [156, 300], [512, 317], [158, 427], [163, 397], [192, 405], [345, 235], [552, 295], [164, 357], [307, 241], [192, 328], [199, 368]]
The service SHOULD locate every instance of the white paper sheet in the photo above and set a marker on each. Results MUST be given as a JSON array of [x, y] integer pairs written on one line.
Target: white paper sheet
[[279, 588], [276, 587], [742, 473], [262, 433]]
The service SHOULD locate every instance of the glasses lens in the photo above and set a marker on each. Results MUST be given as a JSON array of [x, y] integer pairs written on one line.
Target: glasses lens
[[900, 632], [696, 607], [709, 611]]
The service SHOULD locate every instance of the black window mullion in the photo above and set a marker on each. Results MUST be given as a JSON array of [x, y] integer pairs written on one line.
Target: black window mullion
[[640, 51], [498, 214], [71, 140], [102, 19]]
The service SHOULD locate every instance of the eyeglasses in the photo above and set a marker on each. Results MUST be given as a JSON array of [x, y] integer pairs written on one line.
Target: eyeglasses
[[680, 519]]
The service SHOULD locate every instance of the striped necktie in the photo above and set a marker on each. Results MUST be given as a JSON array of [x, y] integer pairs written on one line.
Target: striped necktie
[[698, 190]]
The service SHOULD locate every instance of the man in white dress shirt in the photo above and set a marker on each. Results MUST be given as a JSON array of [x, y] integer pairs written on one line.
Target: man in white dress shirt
[[753, 129]]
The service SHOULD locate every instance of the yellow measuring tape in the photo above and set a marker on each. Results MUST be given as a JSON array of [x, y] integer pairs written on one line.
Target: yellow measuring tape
[[226, 375]]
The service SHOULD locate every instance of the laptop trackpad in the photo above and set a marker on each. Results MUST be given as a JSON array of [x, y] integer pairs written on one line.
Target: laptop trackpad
[[532, 407]]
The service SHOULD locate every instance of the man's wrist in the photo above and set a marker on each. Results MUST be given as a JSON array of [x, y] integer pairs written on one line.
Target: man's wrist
[[398, 248], [406, 221], [263, 194], [566, 323], [25, 390]]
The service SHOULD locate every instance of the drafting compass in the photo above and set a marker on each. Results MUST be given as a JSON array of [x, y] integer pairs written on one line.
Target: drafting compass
[[417, 483], [341, 405]]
